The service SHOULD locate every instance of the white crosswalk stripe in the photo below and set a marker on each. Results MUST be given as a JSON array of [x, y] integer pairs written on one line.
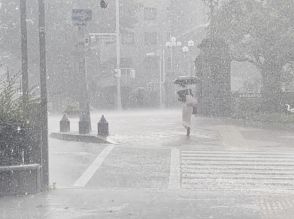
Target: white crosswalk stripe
[[246, 170], [274, 207]]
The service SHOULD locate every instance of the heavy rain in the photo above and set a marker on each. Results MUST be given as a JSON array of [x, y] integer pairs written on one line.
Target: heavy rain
[[176, 109]]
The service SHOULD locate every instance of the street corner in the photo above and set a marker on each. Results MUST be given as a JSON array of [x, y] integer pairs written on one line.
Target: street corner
[[68, 160]]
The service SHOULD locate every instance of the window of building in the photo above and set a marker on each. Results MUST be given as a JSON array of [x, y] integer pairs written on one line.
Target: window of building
[[128, 38], [126, 62], [150, 13], [150, 38]]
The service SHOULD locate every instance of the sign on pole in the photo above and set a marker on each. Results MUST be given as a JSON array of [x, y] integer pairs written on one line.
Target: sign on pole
[[80, 17]]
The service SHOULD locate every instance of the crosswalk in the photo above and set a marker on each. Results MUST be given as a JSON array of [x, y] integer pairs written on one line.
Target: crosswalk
[[236, 170], [275, 207]]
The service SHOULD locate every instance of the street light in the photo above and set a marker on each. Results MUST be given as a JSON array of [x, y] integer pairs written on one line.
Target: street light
[[168, 44], [187, 50], [171, 44], [191, 43], [161, 60], [117, 70]]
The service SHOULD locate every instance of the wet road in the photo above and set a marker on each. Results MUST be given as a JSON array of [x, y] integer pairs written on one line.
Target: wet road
[[155, 171]]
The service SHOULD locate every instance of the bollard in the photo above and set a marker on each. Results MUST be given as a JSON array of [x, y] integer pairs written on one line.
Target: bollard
[[103, 128], [64, 124], [84, 125]]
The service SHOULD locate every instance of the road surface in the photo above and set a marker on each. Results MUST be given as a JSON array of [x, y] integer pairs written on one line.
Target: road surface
[[154, 171]]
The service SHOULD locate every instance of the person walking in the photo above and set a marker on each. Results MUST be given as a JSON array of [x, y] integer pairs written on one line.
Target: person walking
[[189, 102]]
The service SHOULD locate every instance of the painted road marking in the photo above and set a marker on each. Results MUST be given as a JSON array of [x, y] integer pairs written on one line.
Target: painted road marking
[[236, 170], [175, 173], [275, 207], [89, 173]]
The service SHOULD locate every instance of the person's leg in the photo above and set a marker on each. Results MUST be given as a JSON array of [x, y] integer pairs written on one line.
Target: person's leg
[[188, 131], [189, 117], [186, 117]]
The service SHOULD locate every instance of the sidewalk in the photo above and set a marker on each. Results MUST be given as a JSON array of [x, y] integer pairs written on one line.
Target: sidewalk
[[132, 203], [132, 179]]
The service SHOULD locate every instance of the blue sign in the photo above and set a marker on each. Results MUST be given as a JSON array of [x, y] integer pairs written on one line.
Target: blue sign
[[81, 16]]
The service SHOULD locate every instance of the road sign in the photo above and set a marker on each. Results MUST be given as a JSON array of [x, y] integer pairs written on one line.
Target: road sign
[[117, 73], [80, 17], [133, 73]]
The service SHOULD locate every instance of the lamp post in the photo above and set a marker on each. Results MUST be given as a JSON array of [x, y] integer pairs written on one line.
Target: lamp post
[[160, 55], [187, 50], [104, 4], [191, 44], [172, 44], [118, 77]]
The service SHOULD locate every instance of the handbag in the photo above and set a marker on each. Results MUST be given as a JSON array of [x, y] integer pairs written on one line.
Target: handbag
[[191, 101], [194, 110]]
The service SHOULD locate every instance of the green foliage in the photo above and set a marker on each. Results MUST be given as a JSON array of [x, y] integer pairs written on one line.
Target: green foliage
[[249, 109], [10, 109], [262, 33], [13, 108], [257, 32]]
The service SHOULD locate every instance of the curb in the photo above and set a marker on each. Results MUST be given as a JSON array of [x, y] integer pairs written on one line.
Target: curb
[[264, 124], [87, 138]]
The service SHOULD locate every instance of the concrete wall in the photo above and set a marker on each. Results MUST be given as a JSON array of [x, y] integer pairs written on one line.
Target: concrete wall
[[20, 180]]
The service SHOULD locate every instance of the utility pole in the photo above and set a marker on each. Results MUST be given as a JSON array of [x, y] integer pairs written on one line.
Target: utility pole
[[85, 118], [24, 49], [43, 85], [80, 18], [117, 27], [162, 78]]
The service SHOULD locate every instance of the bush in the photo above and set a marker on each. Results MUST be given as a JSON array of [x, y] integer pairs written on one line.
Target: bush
[[19, 126], [273, 118], [245, 107], [250, 108]]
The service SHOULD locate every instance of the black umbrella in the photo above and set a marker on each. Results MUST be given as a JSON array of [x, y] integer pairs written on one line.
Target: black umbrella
[[186, 80]]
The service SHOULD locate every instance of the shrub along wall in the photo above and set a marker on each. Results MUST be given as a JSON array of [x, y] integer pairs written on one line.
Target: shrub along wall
[[249, 105], [19, 144]]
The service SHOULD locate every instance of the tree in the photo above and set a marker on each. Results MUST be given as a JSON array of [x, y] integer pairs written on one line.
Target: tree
[[262, 33], [212, 5]]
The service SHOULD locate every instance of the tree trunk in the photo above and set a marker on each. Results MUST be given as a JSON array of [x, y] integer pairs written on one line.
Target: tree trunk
[[271, 91]]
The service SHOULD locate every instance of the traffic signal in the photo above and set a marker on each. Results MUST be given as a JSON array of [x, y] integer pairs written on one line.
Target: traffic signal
[[87, 41], [117, 73], [103, 4]]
